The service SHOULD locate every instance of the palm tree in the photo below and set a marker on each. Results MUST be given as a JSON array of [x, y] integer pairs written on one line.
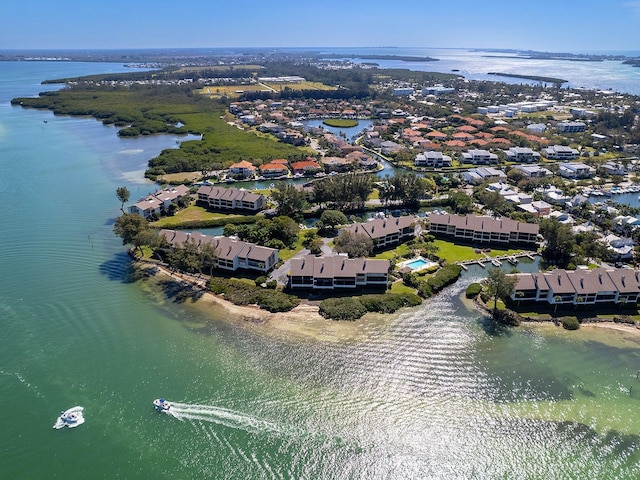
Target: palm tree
[[519, 294], [557, 299]]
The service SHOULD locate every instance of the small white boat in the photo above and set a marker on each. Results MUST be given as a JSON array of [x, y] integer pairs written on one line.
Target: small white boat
[[70, 418], [161, 405]]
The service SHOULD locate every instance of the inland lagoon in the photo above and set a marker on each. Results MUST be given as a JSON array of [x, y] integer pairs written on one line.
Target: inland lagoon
[[433, 392]]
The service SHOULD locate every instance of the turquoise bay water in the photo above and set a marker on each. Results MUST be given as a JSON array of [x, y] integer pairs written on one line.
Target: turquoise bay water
[[435, 393]]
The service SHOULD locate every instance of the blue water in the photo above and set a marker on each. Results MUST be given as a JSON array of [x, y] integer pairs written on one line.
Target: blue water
[[473, 65], [433, 393], [416, 264]]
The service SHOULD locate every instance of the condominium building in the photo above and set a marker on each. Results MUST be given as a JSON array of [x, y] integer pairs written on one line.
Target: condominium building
[[159, 202], [432, 159], [386, 231], [477, 156], [601, 285], [231, 254], [472, 228], [337, 272], [222, 198], [560, 152], [522, 155]]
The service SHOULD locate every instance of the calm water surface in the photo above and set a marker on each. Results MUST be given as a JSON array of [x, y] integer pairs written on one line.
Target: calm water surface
[[436, 393]]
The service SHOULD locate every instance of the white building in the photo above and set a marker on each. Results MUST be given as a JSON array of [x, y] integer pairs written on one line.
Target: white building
[[432, 159], [522, 155], [571, 127], [533, 171], [560, 152], [479, 157], [574, 170], [479, 175]]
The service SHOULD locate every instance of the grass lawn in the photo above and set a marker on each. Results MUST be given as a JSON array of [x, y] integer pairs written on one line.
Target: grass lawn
[[453, 252], [399, 287], [286, 254], [399, 251], [184, 177], [190, 214]]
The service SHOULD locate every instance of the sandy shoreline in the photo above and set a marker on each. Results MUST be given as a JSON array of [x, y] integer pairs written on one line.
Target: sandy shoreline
[[302, 322], [305, 321]]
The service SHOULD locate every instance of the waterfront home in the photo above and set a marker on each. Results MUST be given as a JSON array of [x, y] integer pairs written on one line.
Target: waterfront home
[[243, 168], [575, 170], [231, 254], [560, 152], [386, 231], [274, 170], [432, 159], [222, 198], [522, 155], [601, 285], [306, 167], [478, 157], [337, 272], [337, 164], [479, 175], [159, 202], [475, 229], [613, 168]]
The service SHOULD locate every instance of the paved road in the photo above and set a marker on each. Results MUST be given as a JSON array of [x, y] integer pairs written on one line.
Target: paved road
[[280, 273]]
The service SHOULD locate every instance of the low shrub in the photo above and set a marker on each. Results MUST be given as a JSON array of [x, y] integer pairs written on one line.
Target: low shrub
[[432, 284], [473, 290], [242, 293], [570, 323], [347, 308], [389, 302], [277, 301], [260, 280]]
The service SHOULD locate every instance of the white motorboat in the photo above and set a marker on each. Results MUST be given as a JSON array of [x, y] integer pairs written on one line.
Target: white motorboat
[[161, 405], [70, 418]]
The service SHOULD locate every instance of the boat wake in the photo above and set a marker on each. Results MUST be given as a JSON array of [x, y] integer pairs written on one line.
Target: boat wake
[[221, 416]]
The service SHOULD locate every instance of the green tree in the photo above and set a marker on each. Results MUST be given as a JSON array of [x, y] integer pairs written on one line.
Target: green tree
[[354, 244], [291, 201], [133, 229], [560, 242], [499, 285], [123, 195], [330, 219]]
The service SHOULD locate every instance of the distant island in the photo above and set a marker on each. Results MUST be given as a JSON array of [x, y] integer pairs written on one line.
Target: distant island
[[403, 58], [531, 77], [535, 55]]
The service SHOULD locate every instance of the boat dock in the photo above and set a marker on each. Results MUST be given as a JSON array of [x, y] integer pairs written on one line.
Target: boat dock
[[513, 259]]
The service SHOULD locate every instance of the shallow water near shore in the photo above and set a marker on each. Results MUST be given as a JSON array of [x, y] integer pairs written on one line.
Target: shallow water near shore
[[435, 392]]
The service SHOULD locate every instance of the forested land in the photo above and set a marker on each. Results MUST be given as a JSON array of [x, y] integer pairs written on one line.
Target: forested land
[[146, 110]]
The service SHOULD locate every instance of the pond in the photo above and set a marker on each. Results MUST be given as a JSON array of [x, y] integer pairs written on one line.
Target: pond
[[350, 133]]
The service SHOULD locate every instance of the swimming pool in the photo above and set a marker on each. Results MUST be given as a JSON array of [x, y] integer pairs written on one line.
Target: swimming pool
[[418, 263]]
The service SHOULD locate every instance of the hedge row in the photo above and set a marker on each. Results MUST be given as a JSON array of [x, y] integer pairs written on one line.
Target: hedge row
[[433, 283], [352, 308], [242, 293], [213, 222]]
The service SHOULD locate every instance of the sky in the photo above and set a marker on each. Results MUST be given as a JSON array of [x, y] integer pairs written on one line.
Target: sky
[[542, 25]]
